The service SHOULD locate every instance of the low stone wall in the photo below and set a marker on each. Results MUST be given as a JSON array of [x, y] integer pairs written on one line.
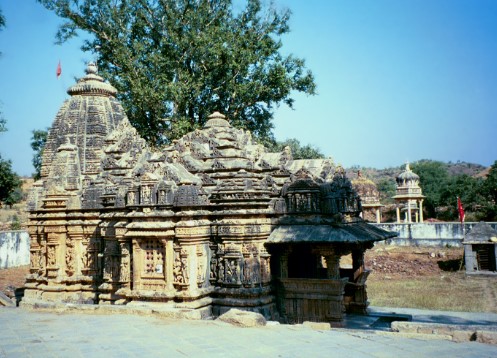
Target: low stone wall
[[428, 234], [14, 249]]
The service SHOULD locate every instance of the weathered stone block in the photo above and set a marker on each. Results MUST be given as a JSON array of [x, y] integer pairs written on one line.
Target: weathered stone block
[[463, 336], [6, 301], [398, 326], [241, 318], [488, 337], [317, 326]]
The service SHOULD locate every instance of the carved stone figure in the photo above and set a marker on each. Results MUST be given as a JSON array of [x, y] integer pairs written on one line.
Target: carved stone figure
[[51, 255], [178, 271], [69, 257]]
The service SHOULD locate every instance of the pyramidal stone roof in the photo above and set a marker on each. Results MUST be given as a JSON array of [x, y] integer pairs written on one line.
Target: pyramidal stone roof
[[366, 189], [85, 120], [481, 232], [110, 165]]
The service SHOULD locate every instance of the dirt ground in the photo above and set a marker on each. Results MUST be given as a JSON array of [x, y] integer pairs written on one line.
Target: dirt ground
[[390, 262], [12, 278]]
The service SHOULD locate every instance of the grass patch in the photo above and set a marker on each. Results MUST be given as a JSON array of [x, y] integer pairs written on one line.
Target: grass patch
[[452, 291]]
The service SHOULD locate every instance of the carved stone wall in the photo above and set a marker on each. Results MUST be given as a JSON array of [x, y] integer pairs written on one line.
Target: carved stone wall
[[115, 222]]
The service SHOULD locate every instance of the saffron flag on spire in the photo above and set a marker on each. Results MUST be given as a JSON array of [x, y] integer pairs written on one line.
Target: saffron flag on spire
[[59, 70], [460, 209]]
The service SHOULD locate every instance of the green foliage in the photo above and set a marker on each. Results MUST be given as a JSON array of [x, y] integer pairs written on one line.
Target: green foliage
[[469, 189], [38, 141], [433, 177], [2, 120], [2, 20], [174, 62], [386, 188], [490, 186], [15, 224], [442, 183], [9, 182], [3, 123], [15, 196], [307, 151], [489, 189]]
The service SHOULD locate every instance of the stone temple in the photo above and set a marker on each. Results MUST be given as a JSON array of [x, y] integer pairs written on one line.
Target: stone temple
[[212, 222]]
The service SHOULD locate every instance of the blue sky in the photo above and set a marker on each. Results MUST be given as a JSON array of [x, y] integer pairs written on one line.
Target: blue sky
[[397, 80]]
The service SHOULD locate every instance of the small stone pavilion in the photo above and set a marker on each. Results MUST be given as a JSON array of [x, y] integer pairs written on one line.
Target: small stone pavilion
[[409, 197], [480, 249], [370, 198], [212, 222]]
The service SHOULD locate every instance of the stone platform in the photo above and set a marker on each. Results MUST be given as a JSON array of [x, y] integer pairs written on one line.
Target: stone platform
[[77, 334]]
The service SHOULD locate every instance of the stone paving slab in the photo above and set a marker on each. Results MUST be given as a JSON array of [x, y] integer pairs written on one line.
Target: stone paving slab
[[445, 317], [47, 334]]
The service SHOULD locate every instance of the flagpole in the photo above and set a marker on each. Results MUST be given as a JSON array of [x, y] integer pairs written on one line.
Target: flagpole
[[460, 209]]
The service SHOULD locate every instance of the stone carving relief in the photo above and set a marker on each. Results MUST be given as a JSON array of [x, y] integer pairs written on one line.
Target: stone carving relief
[[180, 268], [51, 255], [146, 194], [200, 267], [232, 266], [124, 275], [35, 259], [111, 261], [251, 265], [89, 256], [232, 271], [69, 257]]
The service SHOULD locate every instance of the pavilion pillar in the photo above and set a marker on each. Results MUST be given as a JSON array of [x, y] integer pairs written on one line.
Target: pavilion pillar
[[397, 209], [284, 264], [169, 249], [333, 265], [409, 217], [421, 211], [137, 264], [357, 262], [378, 216]]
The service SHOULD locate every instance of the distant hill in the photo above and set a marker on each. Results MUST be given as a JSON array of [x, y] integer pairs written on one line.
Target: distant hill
[[470, 169], [385, 178], [376, 175]]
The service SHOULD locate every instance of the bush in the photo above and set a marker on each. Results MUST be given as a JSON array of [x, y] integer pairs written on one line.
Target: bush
[[15, 224]]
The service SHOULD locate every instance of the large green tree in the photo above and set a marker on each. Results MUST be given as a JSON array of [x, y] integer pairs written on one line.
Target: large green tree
[[299, 151], [10, 183], [489, 189], [2, 120], [466, 187], [433, 177], [38, 141], [176, 61]]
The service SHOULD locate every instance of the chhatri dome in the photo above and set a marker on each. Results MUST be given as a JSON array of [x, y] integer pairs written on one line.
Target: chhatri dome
[[408, 196]]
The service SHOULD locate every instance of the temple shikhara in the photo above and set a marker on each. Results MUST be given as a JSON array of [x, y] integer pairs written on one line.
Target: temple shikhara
[[213, 221]]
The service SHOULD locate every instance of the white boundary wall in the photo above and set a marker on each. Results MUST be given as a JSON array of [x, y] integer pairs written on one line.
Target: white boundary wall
[[429, 234], [14, 249]]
